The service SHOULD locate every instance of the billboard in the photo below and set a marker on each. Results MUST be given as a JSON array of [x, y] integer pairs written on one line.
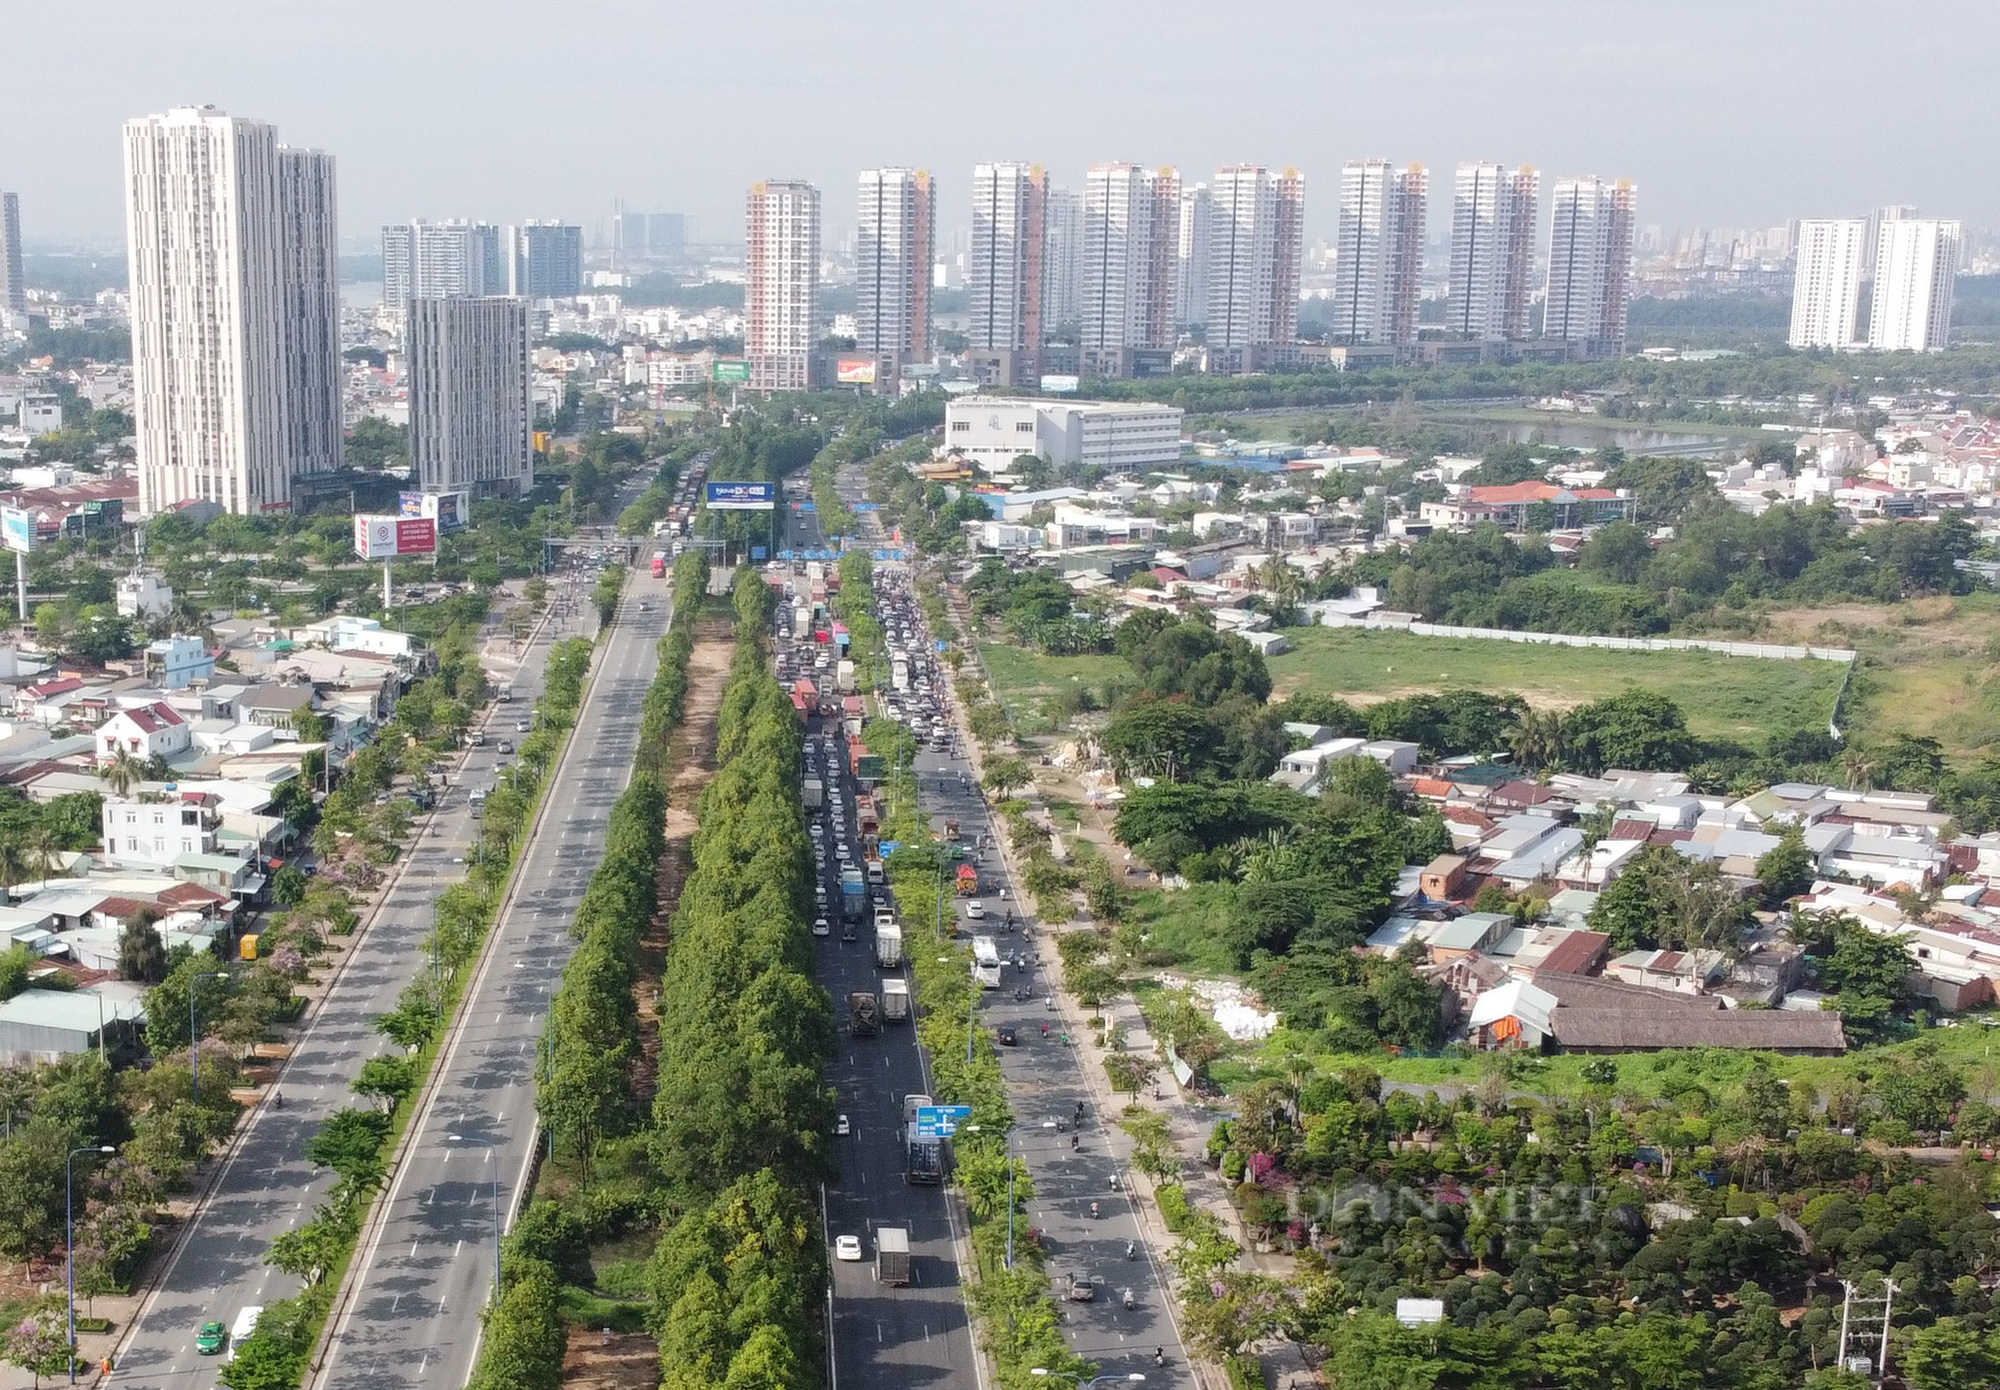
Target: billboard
[[450, 510], [410, 503], [386, 537], [17, 529], [741, 497], [854, 371], [416, 537], [1065, 385], [729, 369]]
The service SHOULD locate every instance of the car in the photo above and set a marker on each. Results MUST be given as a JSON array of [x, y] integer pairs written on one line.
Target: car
[[842, 853], [212, 1338], [820, 927], [1081, 1290], [816, 830], [975, 911], [521, 726], [841, 1127], [847, 1248], [847, 935], [1005, 1036], [506, 745]]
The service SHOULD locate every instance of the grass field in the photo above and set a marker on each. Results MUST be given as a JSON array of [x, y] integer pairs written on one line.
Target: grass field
[[1022, 679], [1732, 697]]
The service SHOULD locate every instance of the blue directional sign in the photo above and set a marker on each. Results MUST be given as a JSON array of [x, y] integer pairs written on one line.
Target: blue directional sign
[[866, 507], [787, 555], [758, 552], [941, 1121], [943, 645], [804, 507]]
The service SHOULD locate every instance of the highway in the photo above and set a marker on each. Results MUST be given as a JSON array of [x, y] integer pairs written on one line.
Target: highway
[[265, 1186], [425, 1269], [917, 1337]]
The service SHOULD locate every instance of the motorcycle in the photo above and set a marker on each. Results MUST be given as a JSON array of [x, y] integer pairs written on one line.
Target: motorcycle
[[1130, 1302], [1131, 1249]]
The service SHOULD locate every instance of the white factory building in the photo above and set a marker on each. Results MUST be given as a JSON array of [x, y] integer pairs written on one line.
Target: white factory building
[[991, 431]]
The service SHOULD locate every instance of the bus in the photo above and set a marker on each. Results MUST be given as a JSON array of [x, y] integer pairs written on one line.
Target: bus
[[478, 800], [985, 962]]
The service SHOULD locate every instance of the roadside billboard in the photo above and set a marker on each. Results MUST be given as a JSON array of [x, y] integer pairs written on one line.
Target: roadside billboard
[[740, 497], [450, 510], [854, 371], [416, 536], [410, 503], [730, 369], [385, 537], [17, 529], [1062, 385]]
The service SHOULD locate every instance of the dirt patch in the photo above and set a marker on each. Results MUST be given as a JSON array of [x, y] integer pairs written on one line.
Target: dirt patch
[[611, 1361]]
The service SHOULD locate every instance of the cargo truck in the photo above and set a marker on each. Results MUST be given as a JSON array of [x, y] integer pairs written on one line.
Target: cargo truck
[[892, 1256], [853, 894], [813, 793], [862, 1019], [888, 944], [845, 672], [968, 881], [895, 1000], [924, 1156], [986, 962]]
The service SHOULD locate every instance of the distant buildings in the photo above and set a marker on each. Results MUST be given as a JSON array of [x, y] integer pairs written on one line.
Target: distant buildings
[[1916, 266], [893, 249], [1062, 260], [655, 235], [544, 261], [1826, 282], [1191, 252], [13, 289], [441, 260], [1493, 225], [1255, 245], [470, 418], [1590, 265], [1380, 248], [781, 304], [236, 375], [1131, 235], [1004, 266]]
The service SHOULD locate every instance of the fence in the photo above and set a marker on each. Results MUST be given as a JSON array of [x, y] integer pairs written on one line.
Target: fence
[[1768, 651]]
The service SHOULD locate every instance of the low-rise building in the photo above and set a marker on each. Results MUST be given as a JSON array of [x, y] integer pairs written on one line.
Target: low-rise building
[[992, 431]]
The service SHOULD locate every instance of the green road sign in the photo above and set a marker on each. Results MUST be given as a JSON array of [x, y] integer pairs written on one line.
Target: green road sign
[[731, 369]]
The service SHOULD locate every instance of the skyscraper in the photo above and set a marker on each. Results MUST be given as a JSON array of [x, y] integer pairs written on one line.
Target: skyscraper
[[545, 260], [1590, 264], [781, 305], [1196, 213], [1062, 261], [1004, 265], [441, 260], [1493, 215], [13, 290], [229, 242], [1380, 251], [470, 418], [1916, 270], [1255, 233], [1131, 228], [1826, 282], [893, 250]]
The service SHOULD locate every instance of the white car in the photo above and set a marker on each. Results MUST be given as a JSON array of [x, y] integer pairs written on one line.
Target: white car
[[975, 910], [820, 928], [816, 830], [847, 1248], [841, 853], [841, 1127]]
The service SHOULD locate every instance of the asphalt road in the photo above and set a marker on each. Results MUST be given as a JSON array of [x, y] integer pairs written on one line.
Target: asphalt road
[[266, 1187], [916, 1337], [423, 1278], [1044, 1085]]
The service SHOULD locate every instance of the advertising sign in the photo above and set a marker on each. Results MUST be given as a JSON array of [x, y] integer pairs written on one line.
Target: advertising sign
[[418, 536], [741, 497], [452, 511], [375, 536], [412, 503], [17, 529], [730, 369], [1063, 385], [854, 371]]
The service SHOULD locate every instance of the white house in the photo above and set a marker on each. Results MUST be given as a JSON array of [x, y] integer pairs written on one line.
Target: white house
[[145, 596], [144, 731], [154, 834], [179, 661], [348, 633]]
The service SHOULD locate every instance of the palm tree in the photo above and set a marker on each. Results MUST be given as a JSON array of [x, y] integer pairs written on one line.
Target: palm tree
[[1860, 769], [13, 867], [44, 852], [1539, 738], [122, 773]]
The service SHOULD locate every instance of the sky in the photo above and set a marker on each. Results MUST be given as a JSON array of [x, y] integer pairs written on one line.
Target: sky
[[1725, 112]]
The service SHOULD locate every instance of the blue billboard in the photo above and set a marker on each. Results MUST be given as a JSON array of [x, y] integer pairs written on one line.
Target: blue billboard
[[741, 497]]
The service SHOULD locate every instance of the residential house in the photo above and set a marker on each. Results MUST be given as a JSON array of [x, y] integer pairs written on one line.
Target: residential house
[[154, 730]]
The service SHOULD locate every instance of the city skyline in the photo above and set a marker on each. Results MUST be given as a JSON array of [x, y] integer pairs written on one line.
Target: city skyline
[[1672, 75]]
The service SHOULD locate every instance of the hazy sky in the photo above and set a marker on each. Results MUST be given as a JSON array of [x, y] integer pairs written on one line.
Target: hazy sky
[[1726, 112]]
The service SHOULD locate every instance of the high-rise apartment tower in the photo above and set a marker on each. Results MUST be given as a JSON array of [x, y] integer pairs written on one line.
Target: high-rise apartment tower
[[13, 289], [1916, 272], [1255, 240], [1493, 216], [894, 247], [441, 260], [1379, 251], [1826, 282], [470, 419], [1004, 265], [1062, 260], [1191, 237], [544, 261], [1131, 231], [781, 305], [1590, 264]]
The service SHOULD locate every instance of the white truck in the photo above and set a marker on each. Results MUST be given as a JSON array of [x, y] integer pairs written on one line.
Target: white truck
[[845, 673], [888, 945], [895, 999], [812, 792], [899, 675]]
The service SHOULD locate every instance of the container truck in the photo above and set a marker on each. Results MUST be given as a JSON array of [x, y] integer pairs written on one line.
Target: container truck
[[862, 1019], [895, 1000], [659, 564], [853, 894], [888, 945], [892, 1256], [924, 1161]]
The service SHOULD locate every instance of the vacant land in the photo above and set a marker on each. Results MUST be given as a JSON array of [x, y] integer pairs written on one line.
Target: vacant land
[[1742, 698], [1023, 679]]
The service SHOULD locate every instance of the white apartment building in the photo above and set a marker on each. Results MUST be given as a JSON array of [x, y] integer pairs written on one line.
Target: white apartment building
[[223, 250], [544, 260], [894, 246], [13, 288], [1003, 268], [1826, 282], [990, 431], [1379, 251], [1493, 222], [1916, 269], [470, 417], [156, 833], [441, 260], [1255, 243], [1131, 222], [1590, 264], [1062, 259], [1191, 239], [781, 303]]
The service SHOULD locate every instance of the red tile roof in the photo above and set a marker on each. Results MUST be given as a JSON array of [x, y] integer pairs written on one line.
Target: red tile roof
[[1513, 493], [1632, 830], [154, 717], [1575, 953]]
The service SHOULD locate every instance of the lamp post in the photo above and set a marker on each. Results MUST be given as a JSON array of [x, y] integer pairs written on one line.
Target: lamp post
[[69, 1238], [461, 1139], [1011, 1167], [194, 1029]]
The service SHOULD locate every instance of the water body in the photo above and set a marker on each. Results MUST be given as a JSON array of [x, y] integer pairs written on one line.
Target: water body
[[1587, 435]]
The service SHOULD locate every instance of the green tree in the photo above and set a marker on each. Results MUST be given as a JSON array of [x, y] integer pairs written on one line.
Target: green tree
[[142, 955], [1949, 1355], [1004, 776], [1786, 869]]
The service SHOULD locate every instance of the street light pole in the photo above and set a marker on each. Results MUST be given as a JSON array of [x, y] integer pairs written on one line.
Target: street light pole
[[494, 1160], [69, 1238], [194, 1029], [1011, 1166]]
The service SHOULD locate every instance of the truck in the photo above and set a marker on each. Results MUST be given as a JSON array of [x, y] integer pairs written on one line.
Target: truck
[[845, 672], [986, 962], [862, 1019], [874, 871], [895, 999], [802, 618], [853, 894], [659, 564], [892, 1256], [923, 1156], [899, 675], [812, 792], [888, 944], [968, 881]]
